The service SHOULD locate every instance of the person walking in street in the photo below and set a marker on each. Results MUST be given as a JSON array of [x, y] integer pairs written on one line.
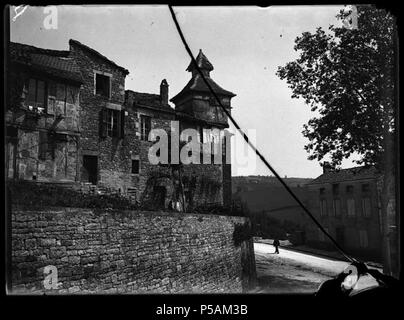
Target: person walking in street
[[276, 245]]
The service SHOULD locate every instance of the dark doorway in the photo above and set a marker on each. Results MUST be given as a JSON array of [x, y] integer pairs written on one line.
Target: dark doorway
[[339, 235], [159, 196], [90, 169]]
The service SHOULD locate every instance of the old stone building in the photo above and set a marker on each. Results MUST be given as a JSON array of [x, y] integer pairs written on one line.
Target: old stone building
[[42, 115], [153, 183], [107, 130], [346, 203], [205, 182], [197, 108], [70, 120]]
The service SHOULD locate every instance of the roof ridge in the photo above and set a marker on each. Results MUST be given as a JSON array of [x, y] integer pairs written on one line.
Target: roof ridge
[[347, 174], [59, 53], [53, 62], [95, 52], [197, 84], [155, 94]]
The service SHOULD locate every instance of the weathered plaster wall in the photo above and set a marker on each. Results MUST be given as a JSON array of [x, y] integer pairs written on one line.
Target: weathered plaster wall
[[344, 228], [59, 159]]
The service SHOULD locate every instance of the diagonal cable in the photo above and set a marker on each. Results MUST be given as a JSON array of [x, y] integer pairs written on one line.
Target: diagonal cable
[[258, 153]]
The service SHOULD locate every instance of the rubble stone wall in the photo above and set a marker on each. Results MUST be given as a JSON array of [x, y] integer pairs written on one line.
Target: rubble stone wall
[[113, 153], [125, 252]]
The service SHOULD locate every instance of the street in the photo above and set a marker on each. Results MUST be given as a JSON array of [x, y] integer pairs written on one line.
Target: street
[[294, 272]]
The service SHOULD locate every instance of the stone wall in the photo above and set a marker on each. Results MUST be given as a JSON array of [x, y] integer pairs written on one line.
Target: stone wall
[[126, 252], [113, 153]]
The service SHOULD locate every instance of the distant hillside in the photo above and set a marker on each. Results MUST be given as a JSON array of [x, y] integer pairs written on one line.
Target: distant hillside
[[266, 198], [266, 194], [272, 210], [251, 183]]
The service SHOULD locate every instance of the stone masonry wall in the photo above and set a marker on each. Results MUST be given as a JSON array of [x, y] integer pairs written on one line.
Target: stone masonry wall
[[125, 252], [114, 154]]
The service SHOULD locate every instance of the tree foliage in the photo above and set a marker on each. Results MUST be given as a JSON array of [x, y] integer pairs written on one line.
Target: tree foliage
[[346, 76]]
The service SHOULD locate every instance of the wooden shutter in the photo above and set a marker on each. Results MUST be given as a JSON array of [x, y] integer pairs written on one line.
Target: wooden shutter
[[148, 127], [43, 145], [103, 122], [122, 124]]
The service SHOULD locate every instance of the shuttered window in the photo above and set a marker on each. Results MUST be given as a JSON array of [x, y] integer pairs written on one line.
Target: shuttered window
[[363, 239], [145, 127], [323, 207], [36, 93], [351, 207], [336, 203], [321, 235], [112, 123], [366, 207]]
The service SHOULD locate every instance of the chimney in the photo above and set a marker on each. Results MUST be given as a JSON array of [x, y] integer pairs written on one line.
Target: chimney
[[327, 167], [164, 92]]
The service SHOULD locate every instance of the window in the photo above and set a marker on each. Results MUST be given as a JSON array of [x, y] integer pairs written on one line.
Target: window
[[71, 95], [135, 166], [51, 103], [61, 96], [323, 207], [366, 207], [349, 189], [351, 207], [36, 93], [102, 85], [335, 188], [112, 123], [145, 127], [321, 235], [365, 187], [336, 205], [322, 190], [363, 239]]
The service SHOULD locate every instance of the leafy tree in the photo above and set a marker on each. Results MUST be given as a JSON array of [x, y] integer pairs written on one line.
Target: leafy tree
[[347, 77]]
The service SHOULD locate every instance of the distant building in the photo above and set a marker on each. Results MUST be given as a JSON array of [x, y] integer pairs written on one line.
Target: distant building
[[346, 203]]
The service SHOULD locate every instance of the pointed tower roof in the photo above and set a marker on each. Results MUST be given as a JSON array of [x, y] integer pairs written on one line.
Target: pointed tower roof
[[197, 84], [202, 61]]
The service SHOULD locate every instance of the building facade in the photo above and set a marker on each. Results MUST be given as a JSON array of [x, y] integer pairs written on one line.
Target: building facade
[[70, 119], [347, 203], [196, 108], [42, 115]]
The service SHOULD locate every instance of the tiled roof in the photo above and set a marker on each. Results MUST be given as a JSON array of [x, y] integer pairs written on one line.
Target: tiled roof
[[186, 116], [53, 62], [197, 84], [99, 55], [202, 61], [356, 173], [150, 100]]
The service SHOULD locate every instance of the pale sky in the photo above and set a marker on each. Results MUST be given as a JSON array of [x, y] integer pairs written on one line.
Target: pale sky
[[245, 45]]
